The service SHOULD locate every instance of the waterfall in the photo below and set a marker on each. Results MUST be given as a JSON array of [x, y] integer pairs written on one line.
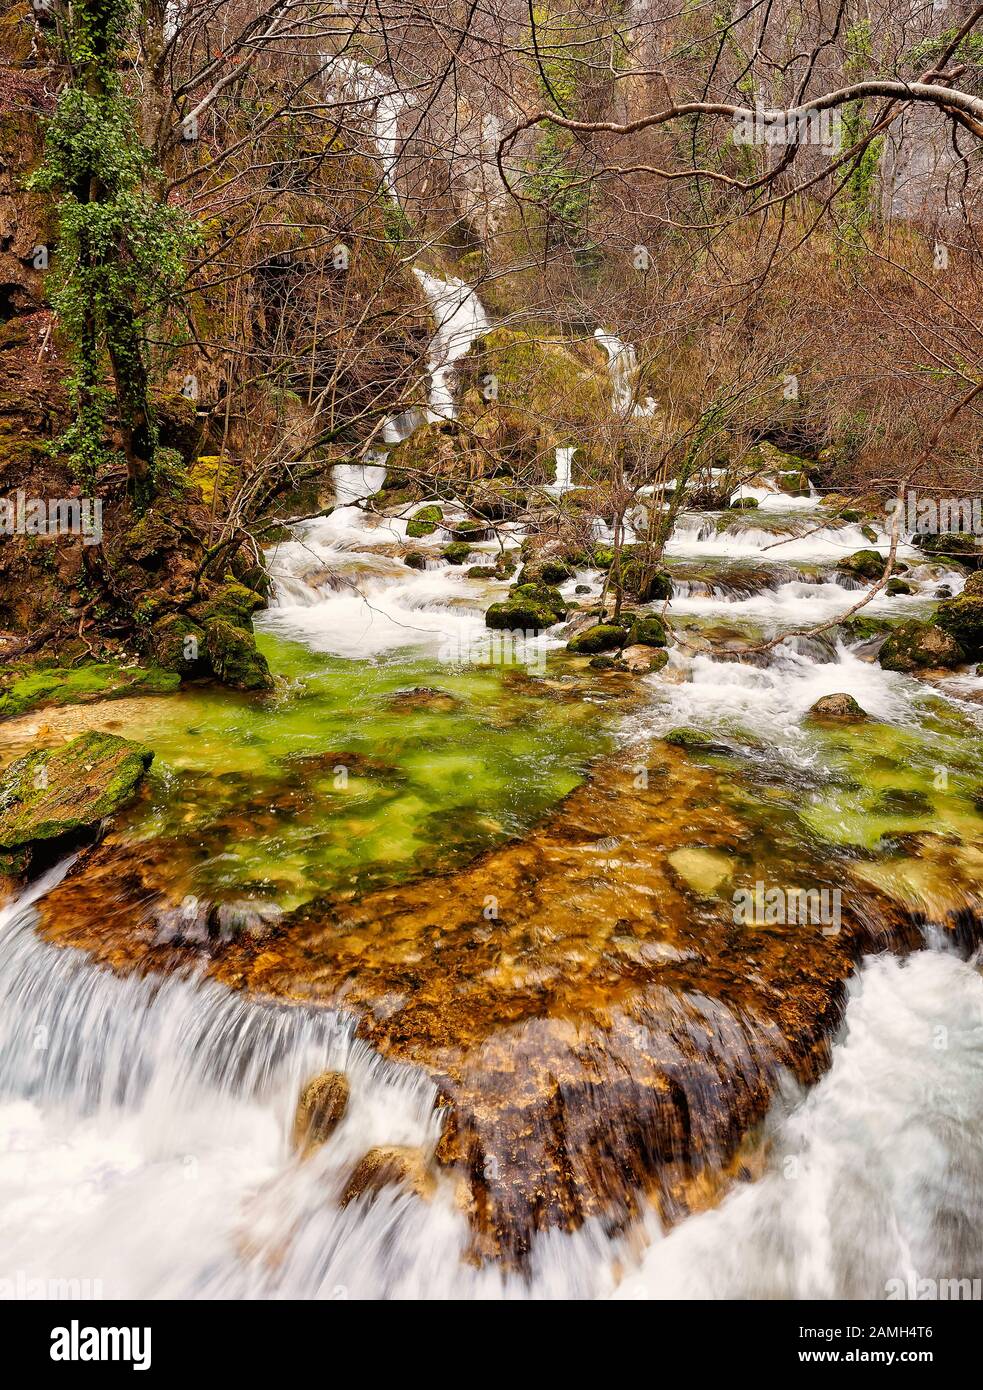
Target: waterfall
[[623, 367], [564, 464], [460, 319]]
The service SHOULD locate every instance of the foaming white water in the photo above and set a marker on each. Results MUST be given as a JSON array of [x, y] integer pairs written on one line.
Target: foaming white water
[[353, 482], [362, 85], [770, 701], [145, 1150], [876, 1176], [362, 613], [623, 367], [460, 319], [564, 465], [795, 604], [696, 535]]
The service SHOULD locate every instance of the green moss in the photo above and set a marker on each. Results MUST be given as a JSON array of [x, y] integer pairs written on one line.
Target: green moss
[[647, 632], [897, 586], [918, 646], [234, 658], [457, 552], [603, 637], [68, 686], [424, 522], [695, 741], [51, 793], [962, 619], [520, 615], [865, 564]]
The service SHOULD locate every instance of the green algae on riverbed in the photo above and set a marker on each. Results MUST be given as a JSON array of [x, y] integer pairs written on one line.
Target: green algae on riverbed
[[356, 774]]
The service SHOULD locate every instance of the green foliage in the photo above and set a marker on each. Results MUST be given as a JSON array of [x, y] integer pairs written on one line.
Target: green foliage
[[120, 247], [856, 202]]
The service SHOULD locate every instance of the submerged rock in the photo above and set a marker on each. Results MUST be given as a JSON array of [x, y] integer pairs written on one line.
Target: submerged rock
[[840, 706], [392, 1165], [320, 1110], [424, 697], [642, 658], [696, 741], [60, 795], [897, 586]]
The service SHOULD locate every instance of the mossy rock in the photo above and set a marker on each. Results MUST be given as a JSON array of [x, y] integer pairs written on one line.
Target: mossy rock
[[233, 657], [482, 572], [520, 615], [745, 504], [424, 522], [865, 564], [962, 619], [548, 571], [794, 484], [602, 637], [647, 632], [916, 646], [839, 707], [457, 552], [897, 586], [646, 586], [33, 689], [178, 645], [543, 594], [468, 531], [496, 499], [696, 741], [956, 547], [974, 584], [54, 794], [415, 560], [232, 603], [863, 629]]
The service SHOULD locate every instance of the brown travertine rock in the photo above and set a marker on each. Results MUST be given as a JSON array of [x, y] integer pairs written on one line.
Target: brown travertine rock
[[392, 1165], [320, 1110]]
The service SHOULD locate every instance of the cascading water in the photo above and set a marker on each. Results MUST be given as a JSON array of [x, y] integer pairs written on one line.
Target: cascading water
[[460, 320], [623, 366], [145, 1121]]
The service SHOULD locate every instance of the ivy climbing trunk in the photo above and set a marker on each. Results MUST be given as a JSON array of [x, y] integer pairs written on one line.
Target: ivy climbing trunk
[[119, 248]]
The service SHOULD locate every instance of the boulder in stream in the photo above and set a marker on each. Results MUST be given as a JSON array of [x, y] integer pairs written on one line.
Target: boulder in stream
[[320, 1110], [962, 619], [865, 564], [57, 796], [916, 646], [841, 707], [602, 637], [392, 1165]]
